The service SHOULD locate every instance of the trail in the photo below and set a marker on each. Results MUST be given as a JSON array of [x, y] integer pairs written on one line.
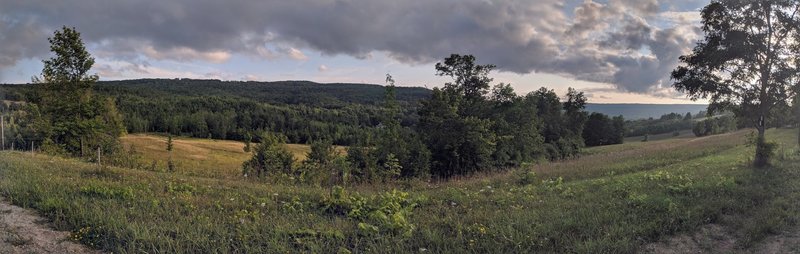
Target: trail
[[22, 231], [716, 239]]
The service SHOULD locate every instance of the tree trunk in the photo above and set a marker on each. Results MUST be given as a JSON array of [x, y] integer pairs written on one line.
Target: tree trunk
[[762, 152]]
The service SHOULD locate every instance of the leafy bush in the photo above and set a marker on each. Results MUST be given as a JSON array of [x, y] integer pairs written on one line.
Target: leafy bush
[[388, 213], [271, 156]]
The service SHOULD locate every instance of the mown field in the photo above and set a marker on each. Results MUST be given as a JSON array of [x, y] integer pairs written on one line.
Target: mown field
[[199, 157], [612, 199]]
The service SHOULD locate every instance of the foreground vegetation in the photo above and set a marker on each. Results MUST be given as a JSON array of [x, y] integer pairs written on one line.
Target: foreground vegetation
[[612, 199]]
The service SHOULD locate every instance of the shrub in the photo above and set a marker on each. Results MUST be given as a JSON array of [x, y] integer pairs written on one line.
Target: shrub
[[270, 156], [387, 213]]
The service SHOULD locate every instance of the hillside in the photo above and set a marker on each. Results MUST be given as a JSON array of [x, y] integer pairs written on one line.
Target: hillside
[[319, 94], [614, 199], [281, 92]]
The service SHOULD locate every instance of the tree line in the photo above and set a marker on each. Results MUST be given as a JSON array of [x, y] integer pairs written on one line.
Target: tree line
[[466, 126]]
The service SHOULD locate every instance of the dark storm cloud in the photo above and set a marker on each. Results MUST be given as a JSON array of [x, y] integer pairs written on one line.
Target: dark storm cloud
[[611, 42]]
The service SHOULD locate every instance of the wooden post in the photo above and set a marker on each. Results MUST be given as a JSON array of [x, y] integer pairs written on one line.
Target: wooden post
[[32, 142], [98, 156], [3, 131]]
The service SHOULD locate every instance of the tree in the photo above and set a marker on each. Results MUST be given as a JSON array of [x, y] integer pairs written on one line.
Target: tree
[[269, 157], [617, 134], [746, 62], [597, 130], [574, 111], [516, 128], [322, 153], [453, 120], [248, 138], [601, 130], [398, 142], [169, 143], [170, 163], [796, 112], [470, 81], [561, 140], [74, 119]]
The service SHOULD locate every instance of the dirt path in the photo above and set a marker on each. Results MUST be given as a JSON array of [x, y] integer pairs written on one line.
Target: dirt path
[[22, 231], [715, 239]]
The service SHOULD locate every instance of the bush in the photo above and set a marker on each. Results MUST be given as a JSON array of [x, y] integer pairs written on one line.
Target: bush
[[269, 157], [388, 213]]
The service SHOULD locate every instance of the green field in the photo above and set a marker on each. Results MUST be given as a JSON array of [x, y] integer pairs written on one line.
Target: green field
[[612, 199]]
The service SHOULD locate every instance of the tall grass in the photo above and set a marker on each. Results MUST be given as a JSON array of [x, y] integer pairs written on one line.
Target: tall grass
[[612, 200]]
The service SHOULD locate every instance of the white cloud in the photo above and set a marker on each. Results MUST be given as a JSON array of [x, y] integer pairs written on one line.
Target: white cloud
[[296, 54], [186, 54]]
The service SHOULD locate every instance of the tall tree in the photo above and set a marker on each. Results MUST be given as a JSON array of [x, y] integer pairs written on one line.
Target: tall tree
[[747, 61], [452, 121], [574, 106], [470, 82], [399, 143], [76, 121], [516, 127]]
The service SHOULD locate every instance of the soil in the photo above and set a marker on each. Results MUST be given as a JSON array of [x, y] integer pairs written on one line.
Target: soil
[[716, 239], [23, 231]]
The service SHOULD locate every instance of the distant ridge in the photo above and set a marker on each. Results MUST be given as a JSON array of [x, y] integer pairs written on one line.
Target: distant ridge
[[331, 94], [633, 111]]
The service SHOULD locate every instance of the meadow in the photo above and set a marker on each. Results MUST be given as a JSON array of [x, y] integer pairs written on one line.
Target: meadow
[[200, 157], [611, 199]]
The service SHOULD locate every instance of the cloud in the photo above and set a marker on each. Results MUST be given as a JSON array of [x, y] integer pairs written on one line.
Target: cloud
[[322, 68], [296, 54], [615, 41], [186, 54]]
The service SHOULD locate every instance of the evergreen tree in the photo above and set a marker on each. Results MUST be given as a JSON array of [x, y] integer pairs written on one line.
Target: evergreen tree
[[170, 163], [247, 140]]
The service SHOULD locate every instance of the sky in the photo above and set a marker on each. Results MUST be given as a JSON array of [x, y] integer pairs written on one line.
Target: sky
[[616, 51]]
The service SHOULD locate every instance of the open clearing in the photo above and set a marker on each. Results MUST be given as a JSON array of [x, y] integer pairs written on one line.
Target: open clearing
[[200, 157], [639, 196]]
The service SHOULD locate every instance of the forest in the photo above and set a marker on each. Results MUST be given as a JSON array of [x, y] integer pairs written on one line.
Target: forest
[[466, 126]]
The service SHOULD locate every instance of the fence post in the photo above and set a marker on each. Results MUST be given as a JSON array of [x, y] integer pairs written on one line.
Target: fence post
[[3, 131]]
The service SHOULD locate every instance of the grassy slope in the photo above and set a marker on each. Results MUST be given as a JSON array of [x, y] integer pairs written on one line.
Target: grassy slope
[[200, 157], [612, 200], [682, 134]]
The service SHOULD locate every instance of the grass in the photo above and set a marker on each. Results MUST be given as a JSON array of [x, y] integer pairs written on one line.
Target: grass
[[613, 199], [200, 157], [681, 134]]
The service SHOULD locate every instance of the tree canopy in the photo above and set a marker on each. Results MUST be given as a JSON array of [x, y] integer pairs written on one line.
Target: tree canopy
[[72, 119], [747, 61]]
